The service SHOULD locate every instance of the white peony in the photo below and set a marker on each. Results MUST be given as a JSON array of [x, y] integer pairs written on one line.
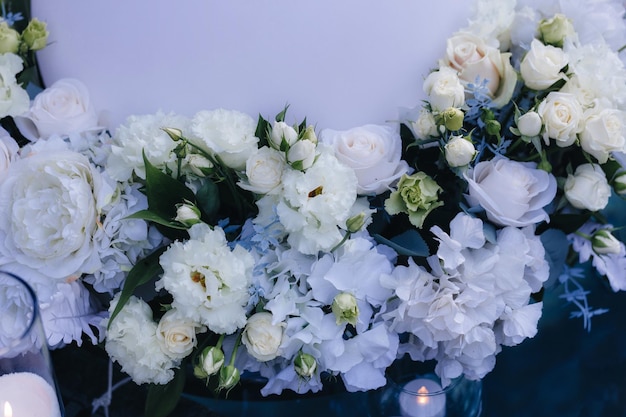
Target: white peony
[[139, 135], [511, 192], [262, 337], [562, 117], [374, 153], [208, 280], [14, 100], [229, 134], [444, 89], [131, 341], [588, 188], [542, 66], [50, 206], [62, 109]]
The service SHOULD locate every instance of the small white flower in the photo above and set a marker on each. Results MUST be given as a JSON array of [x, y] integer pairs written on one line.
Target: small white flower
[[459, 151], [262, 337], [529, 124], [425, 125]]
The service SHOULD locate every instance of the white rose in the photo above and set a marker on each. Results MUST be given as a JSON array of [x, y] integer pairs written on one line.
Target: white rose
[[512, 193], [302, 154], [228, 133], [562, 117], [281, 131], [588, 188], [176, 334], [603, 133], [444, 89], [261, 337], [50, 206], [474, 59], [529, 124], [14, 100], [542, 65], [425, 126], [264, 169], [62, 109], [459, 151], [374, 153]]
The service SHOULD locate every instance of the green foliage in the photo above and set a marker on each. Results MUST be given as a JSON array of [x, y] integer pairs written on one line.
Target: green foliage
[[162, 399]]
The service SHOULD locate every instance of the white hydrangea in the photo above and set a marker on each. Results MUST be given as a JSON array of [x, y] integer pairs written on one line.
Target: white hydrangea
[[131, 341], [208, 281], [141, 134]]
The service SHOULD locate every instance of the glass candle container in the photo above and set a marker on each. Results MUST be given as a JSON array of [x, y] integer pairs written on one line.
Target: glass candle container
[[27, 383]]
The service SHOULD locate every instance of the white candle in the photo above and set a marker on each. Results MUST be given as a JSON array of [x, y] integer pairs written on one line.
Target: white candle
[[25, 394], [415, 401]]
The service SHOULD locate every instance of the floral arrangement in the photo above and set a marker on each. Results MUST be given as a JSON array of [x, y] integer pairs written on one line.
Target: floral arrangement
[[225, 244]]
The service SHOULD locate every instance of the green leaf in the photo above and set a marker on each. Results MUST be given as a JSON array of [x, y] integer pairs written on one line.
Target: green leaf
[[156, 218], [409, 243], [164, 192], [262, 128], [280, 117], [141, 273], [209, 198], [162, 399]]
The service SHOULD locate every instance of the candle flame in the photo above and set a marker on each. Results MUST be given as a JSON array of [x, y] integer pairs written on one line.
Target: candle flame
[[8, 411], [422, 393]]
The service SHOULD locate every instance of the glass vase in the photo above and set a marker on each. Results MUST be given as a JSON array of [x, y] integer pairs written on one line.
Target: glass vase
[[27, 383], [414, 390]]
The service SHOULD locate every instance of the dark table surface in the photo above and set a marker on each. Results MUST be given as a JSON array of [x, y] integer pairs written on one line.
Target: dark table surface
[[564, 371]]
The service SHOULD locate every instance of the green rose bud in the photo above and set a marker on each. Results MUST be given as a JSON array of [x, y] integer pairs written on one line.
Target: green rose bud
[[355, 223], [345, 308], [229, 377], [555, 30], [35, 35], [9, 39], [305, 365], [187, 214], [417, 195], [309, 134], [452, 118], [493, 127], [604, 243], [619, 184], [210, 361]]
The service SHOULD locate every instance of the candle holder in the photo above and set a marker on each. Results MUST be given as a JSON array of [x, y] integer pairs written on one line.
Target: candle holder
[[414, 390], [27, 383]]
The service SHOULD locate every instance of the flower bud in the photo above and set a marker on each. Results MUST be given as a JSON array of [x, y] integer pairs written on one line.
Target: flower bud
[[229, 377], [198, 164], [459, 151], [283, 136], [174, 133], [35, 35], [604, 243], [355, 223], [187, 214], [529, 124], [493, 127], [301, 155], [555, 30], [452, 118], [309, 134], [9, 39], [209, 363], [619, 184], [345, 309], [305, 365]]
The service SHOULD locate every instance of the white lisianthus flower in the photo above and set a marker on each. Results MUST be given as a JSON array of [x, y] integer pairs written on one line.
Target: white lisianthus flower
[[14, 100], [604, 132], [131, 341], [459, 151], [62, 109], [208, 281], [230, 134], [139, 135], [474, 59], [56, 231], [512, 193], [444, 89], [562, 117], [529, 124], [176, 334], [281, 131], [262, 337], [315, 202], [374, 153], [542, 66], [588, 188]]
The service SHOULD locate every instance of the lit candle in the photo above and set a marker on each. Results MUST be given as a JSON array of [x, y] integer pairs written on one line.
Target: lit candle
[[24, 394], [417, 399]]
